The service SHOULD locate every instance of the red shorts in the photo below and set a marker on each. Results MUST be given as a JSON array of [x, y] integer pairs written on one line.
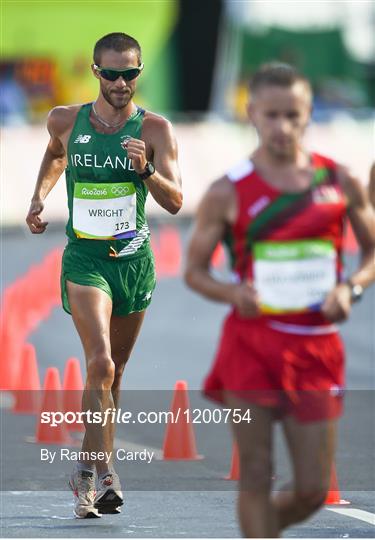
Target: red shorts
[[302, 375]]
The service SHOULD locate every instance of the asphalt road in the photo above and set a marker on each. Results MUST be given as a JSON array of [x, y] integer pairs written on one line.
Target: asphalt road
[[173, 499]]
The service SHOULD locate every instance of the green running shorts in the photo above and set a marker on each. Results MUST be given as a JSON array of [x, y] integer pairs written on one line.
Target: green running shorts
[[129, 281]]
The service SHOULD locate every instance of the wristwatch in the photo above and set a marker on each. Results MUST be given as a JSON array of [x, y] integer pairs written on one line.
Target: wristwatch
[[356, 291], [149, 170]]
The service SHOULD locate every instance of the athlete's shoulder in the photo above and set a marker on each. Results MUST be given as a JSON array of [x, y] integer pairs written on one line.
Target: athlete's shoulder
[[348, 181], [220, 192], [155, 119], [219, 202], [156, 124], [61, 118], [158, 132], [321, 160]]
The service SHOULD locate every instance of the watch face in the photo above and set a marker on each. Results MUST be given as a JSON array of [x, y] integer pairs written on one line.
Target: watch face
[[150, 167], [357, 292]]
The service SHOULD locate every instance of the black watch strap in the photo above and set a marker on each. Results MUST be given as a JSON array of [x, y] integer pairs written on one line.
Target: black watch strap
[[356, 291], [149, 170]]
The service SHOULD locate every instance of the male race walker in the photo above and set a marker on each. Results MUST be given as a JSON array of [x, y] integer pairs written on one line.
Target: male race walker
[[281, 213], [113, 153]]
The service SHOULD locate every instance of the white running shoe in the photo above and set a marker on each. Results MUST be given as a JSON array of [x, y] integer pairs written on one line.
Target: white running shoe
[[82, 483], [109, 495]]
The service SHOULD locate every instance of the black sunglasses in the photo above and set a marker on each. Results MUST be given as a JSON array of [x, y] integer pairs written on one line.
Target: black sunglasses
[[127, 74]]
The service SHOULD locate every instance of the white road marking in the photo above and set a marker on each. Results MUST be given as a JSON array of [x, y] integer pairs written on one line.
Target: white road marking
[[368, 517]]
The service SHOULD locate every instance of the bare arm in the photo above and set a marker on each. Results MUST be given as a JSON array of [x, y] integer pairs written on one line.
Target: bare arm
[[165, 184], [52, 166], [214, 214], [362, 218]]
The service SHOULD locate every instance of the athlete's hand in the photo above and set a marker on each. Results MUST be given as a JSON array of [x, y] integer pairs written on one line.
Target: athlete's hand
[[36, 225], [337, 305], [136, 152], [245, 299]]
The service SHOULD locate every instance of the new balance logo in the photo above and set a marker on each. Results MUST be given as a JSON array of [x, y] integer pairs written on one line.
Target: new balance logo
[[83, 139]]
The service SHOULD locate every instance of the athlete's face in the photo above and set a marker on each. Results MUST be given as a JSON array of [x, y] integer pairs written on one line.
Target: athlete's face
[[280, 116], [117, 93]]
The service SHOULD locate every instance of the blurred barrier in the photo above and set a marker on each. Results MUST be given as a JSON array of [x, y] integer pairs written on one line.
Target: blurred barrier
[[25, 303], [206, 150]]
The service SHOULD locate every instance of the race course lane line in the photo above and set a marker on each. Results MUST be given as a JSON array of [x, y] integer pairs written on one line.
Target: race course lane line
[[368, 517]]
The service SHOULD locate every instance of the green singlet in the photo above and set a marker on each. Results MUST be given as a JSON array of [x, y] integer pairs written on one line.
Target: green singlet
[[108, 236]]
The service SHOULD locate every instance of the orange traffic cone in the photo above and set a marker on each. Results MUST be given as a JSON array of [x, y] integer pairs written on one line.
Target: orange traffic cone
[[10, 345], [52, 402], [27, 391], [73, 389], [179, 441], [334, 495], [234, 473]]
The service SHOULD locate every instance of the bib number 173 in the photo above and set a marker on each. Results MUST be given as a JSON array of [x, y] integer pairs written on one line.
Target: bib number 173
[[122, 226]]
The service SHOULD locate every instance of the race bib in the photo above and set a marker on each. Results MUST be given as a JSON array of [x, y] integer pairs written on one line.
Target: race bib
[[104, 211], [294, 276]]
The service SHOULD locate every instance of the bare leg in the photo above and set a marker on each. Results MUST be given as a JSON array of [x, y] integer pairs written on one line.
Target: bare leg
[[257, 514], [123, 335], [311, 447], [91, 311]]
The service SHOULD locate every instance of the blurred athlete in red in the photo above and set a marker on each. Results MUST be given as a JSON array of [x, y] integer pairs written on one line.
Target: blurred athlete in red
[[281, 213]]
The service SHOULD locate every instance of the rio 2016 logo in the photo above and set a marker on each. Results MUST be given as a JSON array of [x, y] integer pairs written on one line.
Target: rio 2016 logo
[[119, 190], [94, 191]]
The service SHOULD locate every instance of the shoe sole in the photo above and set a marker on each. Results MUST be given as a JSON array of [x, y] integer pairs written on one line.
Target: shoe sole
[[89, 515], [110, 510], [109, 503]]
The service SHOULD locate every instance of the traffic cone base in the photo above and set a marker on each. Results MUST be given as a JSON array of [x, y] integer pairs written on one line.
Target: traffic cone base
[[333, 498], [334, 495]]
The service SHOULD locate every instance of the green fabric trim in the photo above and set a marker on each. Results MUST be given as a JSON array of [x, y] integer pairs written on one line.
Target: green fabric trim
[[281, 203]]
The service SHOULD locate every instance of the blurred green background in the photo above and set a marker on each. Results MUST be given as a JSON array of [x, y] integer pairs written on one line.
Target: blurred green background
[[198, 54], [66, 31]]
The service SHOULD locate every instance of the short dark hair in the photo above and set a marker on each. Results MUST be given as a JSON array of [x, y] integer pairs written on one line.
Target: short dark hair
[[276, 74], [117, 41]]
